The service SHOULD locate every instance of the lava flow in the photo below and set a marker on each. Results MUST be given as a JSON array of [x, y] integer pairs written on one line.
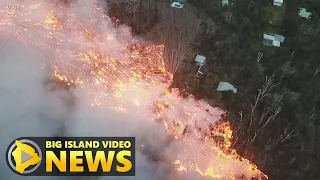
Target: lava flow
[[84, 48]]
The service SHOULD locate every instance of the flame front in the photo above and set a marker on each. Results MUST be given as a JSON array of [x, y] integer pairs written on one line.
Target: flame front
[[113, 66]]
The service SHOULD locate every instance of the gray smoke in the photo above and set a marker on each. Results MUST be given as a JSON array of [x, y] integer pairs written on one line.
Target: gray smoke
[[27, 108], [30, 105]]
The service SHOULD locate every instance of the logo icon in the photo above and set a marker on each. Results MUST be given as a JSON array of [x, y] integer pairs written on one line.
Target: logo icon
[[24, 156]]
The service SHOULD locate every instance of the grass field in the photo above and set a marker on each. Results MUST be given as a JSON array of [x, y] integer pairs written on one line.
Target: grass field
[[275, 15]]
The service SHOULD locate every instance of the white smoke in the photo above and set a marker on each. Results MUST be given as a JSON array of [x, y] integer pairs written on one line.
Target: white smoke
[[26, 107], [30, 106]]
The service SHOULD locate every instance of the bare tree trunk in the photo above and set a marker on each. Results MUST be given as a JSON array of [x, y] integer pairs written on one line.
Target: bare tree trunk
[[260, 121], [317, 71], [177, 29], [268, 85]]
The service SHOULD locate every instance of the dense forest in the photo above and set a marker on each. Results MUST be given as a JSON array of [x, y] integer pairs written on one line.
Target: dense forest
[[276, 110]]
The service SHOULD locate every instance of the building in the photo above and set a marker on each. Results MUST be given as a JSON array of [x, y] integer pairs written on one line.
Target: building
[[225, 86], [303, 13], [178, 4], [200, 62], [225, 3], [273, 39], [277, 2]]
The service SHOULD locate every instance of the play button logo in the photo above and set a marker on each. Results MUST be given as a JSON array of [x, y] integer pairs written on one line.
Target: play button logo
[[25, 157]]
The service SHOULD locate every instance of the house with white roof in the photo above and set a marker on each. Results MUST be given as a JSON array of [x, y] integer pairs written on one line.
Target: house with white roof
[[200, 61], [178, 4], [304, 13], [273, 39], [225, 3], [225, 86], [277, 2]]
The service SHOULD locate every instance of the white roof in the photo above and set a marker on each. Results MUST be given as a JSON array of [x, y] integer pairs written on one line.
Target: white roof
[[225, 2], [200, 59], [177, 5], [273, 39], [268, 36], [303, 13], [225, 86], [276, 43], [278, 37], [278, 1]]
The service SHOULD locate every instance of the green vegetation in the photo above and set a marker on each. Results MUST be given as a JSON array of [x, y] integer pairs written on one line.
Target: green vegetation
[[283, 122], [275, 15], [218, 3]]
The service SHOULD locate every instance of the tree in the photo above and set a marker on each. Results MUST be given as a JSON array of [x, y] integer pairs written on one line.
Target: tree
[[177, 29]]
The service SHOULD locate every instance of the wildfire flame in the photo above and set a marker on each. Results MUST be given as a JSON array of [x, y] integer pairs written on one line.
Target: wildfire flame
[[83, 53]]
